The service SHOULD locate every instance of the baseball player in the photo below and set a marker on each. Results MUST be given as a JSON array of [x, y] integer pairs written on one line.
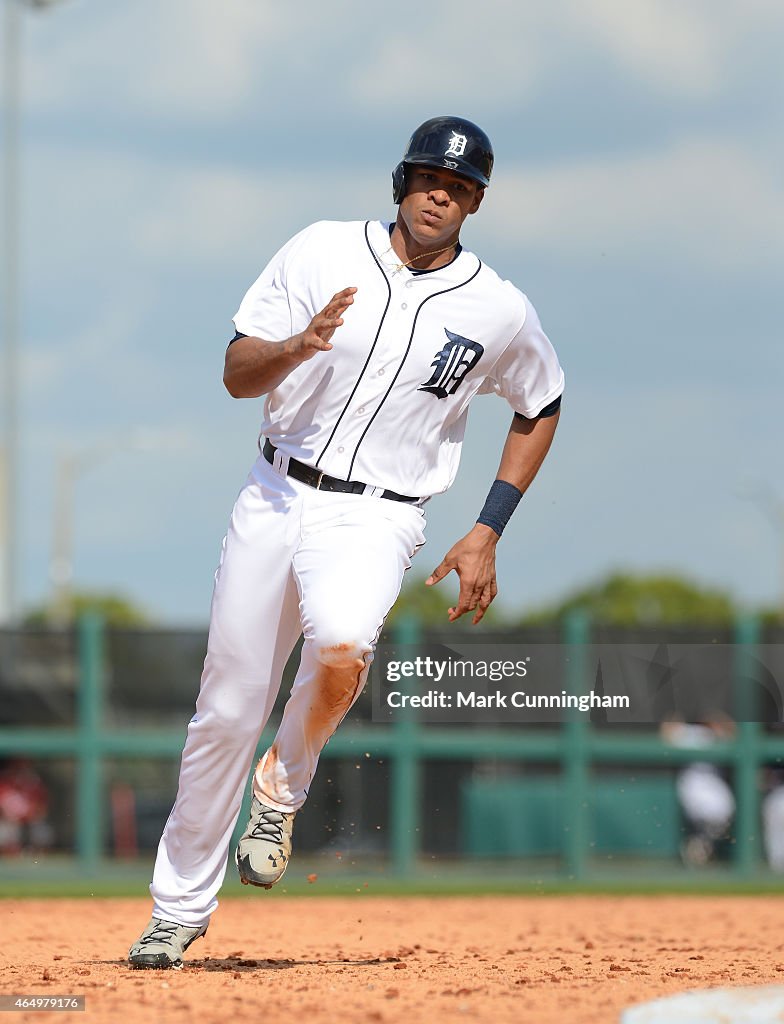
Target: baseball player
[[369, 340]]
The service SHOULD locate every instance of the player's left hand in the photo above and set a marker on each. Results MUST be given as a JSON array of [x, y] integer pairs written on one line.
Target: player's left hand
[[473, 559]]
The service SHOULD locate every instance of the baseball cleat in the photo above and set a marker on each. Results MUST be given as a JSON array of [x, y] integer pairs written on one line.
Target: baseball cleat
[[264, 848], [162, 944]]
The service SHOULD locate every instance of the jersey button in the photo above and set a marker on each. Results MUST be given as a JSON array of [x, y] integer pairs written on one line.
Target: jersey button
[[341, 449], [380, 373], [404, 305], [360, 410]]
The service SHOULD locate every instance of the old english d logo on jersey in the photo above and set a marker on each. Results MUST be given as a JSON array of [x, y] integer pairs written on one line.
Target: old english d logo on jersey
[[452, 363]]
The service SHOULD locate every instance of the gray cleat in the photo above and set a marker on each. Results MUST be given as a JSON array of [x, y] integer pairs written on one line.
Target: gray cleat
[[162, 944], [265, 846]]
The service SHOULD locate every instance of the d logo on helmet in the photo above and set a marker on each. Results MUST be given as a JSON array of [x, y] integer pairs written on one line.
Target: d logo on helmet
[[457, 145]]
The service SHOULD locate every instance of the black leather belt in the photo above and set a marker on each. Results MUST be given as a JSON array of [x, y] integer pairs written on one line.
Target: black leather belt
[[323, 482]]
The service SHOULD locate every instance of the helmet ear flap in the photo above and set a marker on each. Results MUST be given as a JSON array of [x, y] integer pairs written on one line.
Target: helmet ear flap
[[399, 183]]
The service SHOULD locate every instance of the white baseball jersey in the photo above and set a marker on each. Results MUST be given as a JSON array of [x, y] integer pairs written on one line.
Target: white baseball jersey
[[388, 404]]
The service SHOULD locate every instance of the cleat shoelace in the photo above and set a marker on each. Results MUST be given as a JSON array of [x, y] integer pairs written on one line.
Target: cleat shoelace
[[162, 932], [269, 826]]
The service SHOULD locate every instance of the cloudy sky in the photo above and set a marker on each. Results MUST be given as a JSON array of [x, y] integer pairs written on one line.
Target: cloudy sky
[[169, 148]]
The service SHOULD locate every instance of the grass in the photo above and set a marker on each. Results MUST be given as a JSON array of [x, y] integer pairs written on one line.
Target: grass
[[52, 878]]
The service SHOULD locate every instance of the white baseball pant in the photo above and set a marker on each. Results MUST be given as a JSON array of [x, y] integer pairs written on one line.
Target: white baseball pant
[[707, 800], [773, 827], [295, 561]]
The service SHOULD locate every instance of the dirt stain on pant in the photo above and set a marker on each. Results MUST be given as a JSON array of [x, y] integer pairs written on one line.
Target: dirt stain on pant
[[339, 682], [264, 781]]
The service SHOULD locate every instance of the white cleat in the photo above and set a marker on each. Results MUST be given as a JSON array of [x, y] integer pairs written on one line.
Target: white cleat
[[264, 848]]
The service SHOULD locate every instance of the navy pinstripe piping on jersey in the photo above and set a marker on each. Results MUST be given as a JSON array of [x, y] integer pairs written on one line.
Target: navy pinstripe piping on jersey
[[370, 353], [446, 291]]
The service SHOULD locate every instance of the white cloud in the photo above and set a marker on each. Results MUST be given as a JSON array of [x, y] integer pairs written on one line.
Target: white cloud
[[705, 198], [671, 45], [686, 48], [50, 364], [494, 62], [186, 59], [199, 60], [640, 477], [115, 240], [499, 54], [122, 213], [702, 200]]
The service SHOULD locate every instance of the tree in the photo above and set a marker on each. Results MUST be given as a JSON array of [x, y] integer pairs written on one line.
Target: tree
[[771, 616], [115, 609], [624, 600]]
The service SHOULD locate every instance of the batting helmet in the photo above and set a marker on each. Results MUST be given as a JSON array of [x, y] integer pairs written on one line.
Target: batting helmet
[[450, 142]]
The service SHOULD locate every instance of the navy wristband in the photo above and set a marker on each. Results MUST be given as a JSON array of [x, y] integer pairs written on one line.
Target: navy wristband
[[502, 499]]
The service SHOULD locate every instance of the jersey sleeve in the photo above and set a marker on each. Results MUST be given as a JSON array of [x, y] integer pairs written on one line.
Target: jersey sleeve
[[265, 312], [528, 374]]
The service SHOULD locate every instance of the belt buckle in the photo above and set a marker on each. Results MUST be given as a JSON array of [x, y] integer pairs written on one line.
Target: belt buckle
[[320, 478]]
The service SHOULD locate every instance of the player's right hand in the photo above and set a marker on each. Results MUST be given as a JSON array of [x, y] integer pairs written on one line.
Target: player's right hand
[[317, 336]]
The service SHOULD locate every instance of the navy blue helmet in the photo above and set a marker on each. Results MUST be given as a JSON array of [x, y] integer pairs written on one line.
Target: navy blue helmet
[[449, 142]]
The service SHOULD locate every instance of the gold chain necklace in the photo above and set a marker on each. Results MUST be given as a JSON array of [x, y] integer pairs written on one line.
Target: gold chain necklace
[[402, 266]]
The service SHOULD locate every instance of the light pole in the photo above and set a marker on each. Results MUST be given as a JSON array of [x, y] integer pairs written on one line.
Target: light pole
[[9, 295], [10, 307], [771, 505], [69, 467]]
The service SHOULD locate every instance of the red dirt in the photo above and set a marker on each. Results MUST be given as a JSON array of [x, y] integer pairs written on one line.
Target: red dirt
[[547, 960]]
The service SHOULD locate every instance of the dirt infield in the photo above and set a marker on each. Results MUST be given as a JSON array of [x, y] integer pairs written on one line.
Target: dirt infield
[[548, 960]]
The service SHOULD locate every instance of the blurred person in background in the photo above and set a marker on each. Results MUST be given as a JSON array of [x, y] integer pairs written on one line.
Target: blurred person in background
[[705, 796], [24, 804]]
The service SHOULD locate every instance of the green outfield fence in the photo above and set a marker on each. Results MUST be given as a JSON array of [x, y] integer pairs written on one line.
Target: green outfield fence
[[574, 749]]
